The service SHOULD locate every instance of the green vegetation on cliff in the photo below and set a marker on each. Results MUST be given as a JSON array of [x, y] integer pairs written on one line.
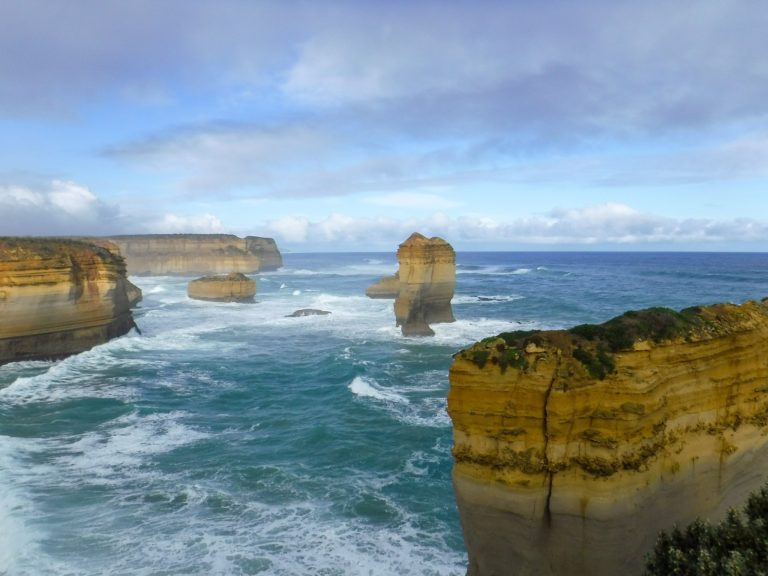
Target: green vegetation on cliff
[[737, 546], [593, 345]]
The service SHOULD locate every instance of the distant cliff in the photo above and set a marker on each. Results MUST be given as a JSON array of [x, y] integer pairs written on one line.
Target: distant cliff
[[573, 449], [423, 285], [59, 297], [194, 254]]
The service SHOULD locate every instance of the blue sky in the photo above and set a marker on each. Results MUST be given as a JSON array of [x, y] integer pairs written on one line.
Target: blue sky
[[511, 125]]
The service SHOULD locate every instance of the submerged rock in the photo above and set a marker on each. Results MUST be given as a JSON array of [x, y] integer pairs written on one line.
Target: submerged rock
[[308, 312], [573, 449], [59, 297], [234, 287]]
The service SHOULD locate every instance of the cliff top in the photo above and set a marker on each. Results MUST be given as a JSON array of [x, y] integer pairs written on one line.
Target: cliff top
[[178, 235], [232, 277], [13, 249], [594, 344], [418, 239]]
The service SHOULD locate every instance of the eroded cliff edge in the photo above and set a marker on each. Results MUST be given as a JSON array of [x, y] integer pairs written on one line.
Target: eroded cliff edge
[[194, 254], [573, 449], [60, 297]]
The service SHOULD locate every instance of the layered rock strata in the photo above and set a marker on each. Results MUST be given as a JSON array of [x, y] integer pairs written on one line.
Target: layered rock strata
[[234, 287], [60, 297], [388, 288], [191, 254], [423, 285], [573, 449]]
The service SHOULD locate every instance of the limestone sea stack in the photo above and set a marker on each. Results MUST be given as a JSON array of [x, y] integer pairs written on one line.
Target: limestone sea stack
[[388, 287], [191, 254], [234, 287], [573, 449], [60, 297], [423, 285]]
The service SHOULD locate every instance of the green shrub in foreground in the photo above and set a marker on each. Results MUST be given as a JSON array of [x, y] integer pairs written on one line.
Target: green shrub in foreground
[[737, 546]]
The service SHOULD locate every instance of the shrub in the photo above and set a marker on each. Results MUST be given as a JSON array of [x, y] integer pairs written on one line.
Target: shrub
[[737, 546]]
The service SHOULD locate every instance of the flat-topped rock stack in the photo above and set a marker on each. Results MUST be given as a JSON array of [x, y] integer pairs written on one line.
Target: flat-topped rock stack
[[573, 449], [60, 297], [423, 285], [234, 287], [191, 254]]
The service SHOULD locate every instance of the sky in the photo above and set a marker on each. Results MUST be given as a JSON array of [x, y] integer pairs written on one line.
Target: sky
[[330, 125]]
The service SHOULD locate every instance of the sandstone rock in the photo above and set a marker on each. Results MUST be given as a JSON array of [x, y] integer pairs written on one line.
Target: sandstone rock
[[573, 449], [427, 279], [189, 254], [234, 287], [423, 285], [266, 250], [308, 312], [387, 287], [60, 297]]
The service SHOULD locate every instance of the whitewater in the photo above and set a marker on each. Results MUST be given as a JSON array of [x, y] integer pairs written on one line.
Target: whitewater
[[232, 439]]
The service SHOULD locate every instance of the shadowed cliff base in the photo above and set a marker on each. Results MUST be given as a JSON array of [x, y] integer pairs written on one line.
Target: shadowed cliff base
[[59, 297], [574, 448]]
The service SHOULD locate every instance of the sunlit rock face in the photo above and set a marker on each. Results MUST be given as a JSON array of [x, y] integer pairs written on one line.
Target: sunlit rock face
[[573, 449], [234, 287], [423, 285], [387, 287], [191, 254], [60, 297]]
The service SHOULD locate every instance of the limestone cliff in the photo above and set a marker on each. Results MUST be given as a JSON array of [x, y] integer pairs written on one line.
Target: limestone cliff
[[59, 297], [234, 287], [423, 285], [190, 254], [574, 448], [387, 287]]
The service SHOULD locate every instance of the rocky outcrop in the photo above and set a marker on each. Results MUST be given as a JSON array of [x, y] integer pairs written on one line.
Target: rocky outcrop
[[307, 312], [60, 297], [423, 285], [234, 287], [266, 250], [190, 254], [573, 449], [388, 287]]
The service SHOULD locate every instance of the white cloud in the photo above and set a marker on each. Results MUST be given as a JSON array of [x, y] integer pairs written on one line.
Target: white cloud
[[57, 208], [290, 228], [195, 224], [606, 225], [72, 198]]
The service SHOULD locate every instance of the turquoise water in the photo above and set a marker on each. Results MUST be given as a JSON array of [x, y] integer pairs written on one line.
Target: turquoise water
[[229, 439]]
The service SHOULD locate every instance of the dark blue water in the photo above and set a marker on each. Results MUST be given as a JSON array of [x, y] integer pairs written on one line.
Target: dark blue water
[[229, 439]]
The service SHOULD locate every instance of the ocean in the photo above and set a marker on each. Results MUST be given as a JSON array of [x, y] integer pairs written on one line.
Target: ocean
[[229, 439]]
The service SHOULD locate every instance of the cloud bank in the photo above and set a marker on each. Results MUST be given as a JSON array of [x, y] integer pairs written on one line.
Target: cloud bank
[[606, 226], [55, 209]]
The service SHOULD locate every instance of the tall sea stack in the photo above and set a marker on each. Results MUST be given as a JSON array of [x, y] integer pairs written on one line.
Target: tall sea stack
[[197, 254], [423, 285], [60, 297], [573, 449]]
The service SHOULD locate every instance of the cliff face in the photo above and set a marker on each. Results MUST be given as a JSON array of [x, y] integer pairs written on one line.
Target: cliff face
[[60, 297], [235, 287], [573, 449], [423, 285], [188, 254]]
